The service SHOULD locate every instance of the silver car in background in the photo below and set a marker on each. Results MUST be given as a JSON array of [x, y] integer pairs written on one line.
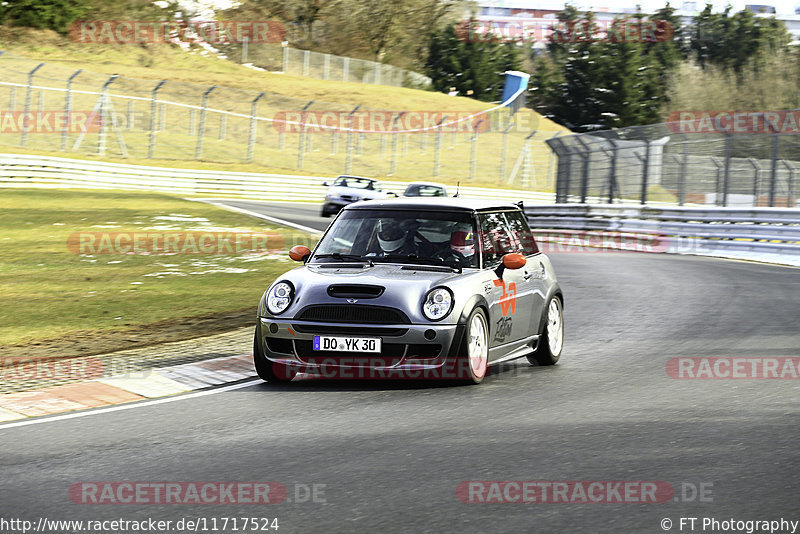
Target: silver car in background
[[418, 288], [348, 189]]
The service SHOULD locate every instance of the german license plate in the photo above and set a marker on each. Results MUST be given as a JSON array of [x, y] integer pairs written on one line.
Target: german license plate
[[347, 344]]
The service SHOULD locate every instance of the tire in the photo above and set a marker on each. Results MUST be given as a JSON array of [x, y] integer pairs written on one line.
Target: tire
[[267, 370], [551, 342], [325, 213], [472, 364]]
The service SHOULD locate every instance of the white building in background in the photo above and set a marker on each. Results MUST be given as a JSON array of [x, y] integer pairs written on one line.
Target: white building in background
[[535, 14]]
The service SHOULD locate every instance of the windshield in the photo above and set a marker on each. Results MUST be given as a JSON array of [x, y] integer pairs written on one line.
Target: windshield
[[357, 183], [413, 237]]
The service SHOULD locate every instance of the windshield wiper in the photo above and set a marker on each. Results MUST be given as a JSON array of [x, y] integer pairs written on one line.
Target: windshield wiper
[[345, 257]]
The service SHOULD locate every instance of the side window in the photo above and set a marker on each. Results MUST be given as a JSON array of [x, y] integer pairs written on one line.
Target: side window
[[495, 239], [521, 232], [429, 191]]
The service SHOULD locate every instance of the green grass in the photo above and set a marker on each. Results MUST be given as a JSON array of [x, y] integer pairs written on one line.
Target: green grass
[[49, 291]]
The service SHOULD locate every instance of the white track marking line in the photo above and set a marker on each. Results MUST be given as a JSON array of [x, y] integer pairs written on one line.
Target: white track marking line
[[130, 406], [260, 216]]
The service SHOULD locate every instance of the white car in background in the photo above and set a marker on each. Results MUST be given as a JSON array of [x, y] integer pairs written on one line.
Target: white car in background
[[348, 189]]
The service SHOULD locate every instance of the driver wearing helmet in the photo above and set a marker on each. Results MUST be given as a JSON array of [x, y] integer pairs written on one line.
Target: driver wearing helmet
[[462, 244], [393, 238]]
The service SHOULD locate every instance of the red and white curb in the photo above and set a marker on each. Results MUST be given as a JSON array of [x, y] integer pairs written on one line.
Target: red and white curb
[[130, 387]]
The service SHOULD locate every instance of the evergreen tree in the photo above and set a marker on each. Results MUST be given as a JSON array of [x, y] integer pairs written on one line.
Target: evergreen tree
[[620, 84], [563, 36], [546, 79], [577, 105], [670, 46], [44, 14], [470, 64], [444, 65]]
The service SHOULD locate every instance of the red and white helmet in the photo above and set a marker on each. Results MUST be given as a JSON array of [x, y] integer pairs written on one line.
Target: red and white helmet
[[463, 241]]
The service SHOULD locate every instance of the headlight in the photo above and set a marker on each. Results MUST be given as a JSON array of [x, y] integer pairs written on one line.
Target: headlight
[[438, 303], [279, 297], [332, 196]]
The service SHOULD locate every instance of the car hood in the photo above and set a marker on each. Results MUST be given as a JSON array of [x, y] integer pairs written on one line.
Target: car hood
[[405, 286], [354, 192]]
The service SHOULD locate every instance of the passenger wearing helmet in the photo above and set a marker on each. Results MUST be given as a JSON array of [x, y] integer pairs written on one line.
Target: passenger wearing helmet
[[462, 246]]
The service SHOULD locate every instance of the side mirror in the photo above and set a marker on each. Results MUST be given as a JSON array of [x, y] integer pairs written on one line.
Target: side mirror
[[325, 184], [300, 253], [514, 260]]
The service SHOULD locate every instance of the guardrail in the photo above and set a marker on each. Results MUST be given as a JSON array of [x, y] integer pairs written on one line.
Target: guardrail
[[705, 231], [19, 170]]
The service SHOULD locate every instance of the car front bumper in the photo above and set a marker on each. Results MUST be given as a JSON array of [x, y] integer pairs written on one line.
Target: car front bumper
[[335, 205], [405, 347]]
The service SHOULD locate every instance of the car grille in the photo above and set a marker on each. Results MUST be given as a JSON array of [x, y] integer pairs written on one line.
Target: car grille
[[280, 345], [423, 351], [349, 330], [340, 313]]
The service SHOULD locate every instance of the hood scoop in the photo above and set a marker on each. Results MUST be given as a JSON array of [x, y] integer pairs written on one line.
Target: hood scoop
[[355, 291]]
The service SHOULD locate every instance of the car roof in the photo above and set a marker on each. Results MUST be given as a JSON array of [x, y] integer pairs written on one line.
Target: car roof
[[356, 177], [427, 183], [439, 203]]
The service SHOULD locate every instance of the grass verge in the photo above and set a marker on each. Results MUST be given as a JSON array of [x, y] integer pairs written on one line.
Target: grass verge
[[50, 290]]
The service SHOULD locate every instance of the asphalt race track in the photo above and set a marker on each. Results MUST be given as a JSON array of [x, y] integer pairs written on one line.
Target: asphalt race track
[[391, 454]]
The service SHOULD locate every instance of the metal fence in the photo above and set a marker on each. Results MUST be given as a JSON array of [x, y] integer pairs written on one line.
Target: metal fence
[[762, 234], [146, 119], [288, 60], [661, 163], [22, 170]]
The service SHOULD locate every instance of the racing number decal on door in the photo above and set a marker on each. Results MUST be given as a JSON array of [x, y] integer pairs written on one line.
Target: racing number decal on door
[[508, 305], [508, 300]]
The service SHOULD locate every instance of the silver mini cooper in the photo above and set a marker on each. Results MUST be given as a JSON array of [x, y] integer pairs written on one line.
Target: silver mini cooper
[[434, 288]]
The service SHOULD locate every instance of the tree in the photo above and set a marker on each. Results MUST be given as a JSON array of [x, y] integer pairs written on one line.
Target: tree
[[577, 105], [444, 63], [731, 42], [546, 78], [476, 65], [44, 14], [300, 15]]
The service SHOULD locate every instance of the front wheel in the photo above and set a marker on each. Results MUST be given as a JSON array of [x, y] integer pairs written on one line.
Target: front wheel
[[267, 370], [473, 362], [552, 341]]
